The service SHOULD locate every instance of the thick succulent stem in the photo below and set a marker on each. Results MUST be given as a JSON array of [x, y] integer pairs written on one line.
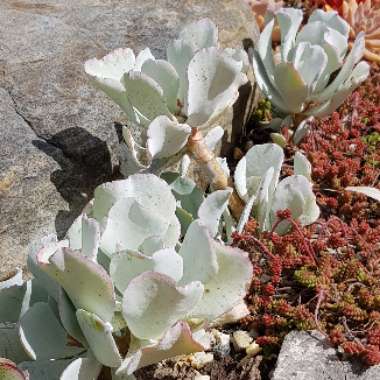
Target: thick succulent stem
[[212, 169]]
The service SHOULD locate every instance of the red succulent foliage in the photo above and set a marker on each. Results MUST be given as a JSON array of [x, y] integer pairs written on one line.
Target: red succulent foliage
[[326, 276]]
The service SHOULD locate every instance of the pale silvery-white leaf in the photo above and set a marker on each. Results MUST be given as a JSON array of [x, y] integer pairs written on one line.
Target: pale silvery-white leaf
[[302, 130], [214, 81], [263, 198], [332, 20], [302, 165], [212, 208], [296, 194], [129, 224], [351, 60], [166, 137], [145, 95], [194, 37], [127, 265], [254, 165], [99, 337], [245, 215], [133, 157], [197, 251], [213, 137], [90, 237], [177, 340], [371, 192], [228, 287], [167, 78], [291, 86], [289, 20], [142, 57], [86, 283], [82, 369], [152, 303], [184, 165]]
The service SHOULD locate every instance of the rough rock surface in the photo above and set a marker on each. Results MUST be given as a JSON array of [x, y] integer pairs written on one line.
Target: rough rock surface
[[58, 140], [307, 356]]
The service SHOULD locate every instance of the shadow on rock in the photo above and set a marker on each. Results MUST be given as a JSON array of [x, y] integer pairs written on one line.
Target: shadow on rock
[[85, 163]]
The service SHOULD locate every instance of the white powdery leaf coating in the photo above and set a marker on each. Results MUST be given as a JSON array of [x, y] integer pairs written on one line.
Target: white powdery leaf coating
[[302, 165], [166, 77], [152, 303], [125, 266], [296, 194], [99, 337], [254, 165], [90, 237], [371, 192], [42, 336], [228, 287], [145, 95], [113, 66], [264, 199], [82, 369], [212, 208], [331, 19], [214, 81], [149, 190], [291, 86], [129, 223], [289, 20], [177, 340], [198, 253], [213, 137], [166, 137], [86, 283]]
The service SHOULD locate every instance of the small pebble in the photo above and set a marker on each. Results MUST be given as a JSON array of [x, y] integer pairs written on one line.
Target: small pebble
[[202, 377], [200, 359], [253, 349], [221, 342], [241, 340]]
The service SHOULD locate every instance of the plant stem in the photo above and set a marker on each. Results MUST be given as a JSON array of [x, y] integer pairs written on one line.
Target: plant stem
[[212, 169]]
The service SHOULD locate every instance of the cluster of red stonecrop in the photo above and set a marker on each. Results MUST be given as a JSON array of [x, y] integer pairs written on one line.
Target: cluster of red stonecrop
[[326, 276]]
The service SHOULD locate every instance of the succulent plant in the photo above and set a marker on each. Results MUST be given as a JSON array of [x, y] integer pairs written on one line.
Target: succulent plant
[[257, 183], [168, 99], [122, 290], [364, 16], [312, 74]]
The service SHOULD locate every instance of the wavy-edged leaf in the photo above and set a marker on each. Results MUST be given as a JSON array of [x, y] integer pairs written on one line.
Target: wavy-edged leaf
[[145, 95], [86, 283], [152, 303], [127, 265], [166, 137], [228, 287], [166, 77], [214, 81], [176, 341]]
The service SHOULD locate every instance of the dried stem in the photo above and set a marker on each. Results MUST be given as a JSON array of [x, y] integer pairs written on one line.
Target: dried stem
[[212, 169]]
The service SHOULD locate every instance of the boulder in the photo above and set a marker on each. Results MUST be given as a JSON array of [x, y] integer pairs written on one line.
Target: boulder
[[308, 356], [58, 138]]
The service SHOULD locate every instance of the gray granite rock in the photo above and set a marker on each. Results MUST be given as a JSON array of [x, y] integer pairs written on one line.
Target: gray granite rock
[[58, 140], [307, 356]]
